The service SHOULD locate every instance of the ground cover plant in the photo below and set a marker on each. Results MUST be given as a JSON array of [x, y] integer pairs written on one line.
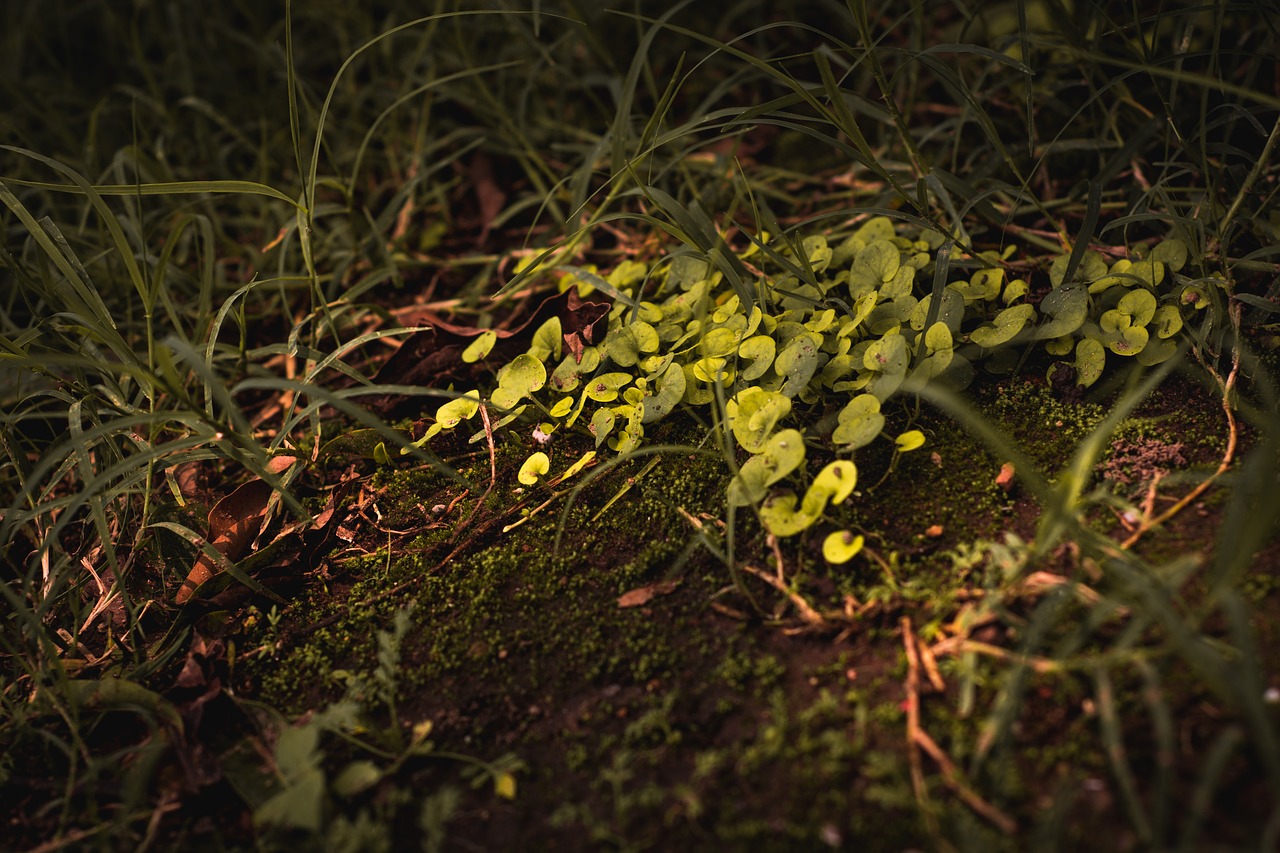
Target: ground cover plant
[[639, 426]]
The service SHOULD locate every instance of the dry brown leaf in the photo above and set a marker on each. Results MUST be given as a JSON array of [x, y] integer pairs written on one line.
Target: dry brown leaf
[[234, 522], [643, 595], [1005, 478]]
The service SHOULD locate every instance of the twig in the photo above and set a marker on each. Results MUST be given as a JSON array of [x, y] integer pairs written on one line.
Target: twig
[[960, 645], [913, 730], [807, 613], [1228, 457], [493, 471], [918, 656]]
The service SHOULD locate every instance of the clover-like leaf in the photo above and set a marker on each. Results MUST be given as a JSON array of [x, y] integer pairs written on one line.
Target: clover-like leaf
[[571, 371], [1008, 323], [1156, 351], [860, 422], [459, 409], [517, 379], [817, 251], [1060, 346], [881, 257], [984, 285], [1149, 270], [1171, 252], [1120, 274], [834, 483], [781, 518], [783, 454], [752, 413], [480, 347], [1091, 357], [1015, 290], [602, 424], [1140, 304], [1167, 321], [533, 468], [1068, 306], [899, 286], [606, 387], [671, 388], [910, 440], [841, 546], [548, 341], [874, 264], [797, 362], [1091, 268], [713, 369], [717, 342], [761, 350], [1128, 341], [938, 337]]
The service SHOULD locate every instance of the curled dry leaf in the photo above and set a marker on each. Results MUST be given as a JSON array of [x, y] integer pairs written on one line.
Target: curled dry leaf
[[643, 595], [234, 522], [1005, 478]]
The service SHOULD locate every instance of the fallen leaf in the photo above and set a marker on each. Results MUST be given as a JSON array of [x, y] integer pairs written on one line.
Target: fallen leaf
[[933, 531], [1005, 478], [234, 522], [645, 594]]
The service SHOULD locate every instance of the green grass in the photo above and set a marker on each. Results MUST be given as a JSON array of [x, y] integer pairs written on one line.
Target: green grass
[[212, 215]]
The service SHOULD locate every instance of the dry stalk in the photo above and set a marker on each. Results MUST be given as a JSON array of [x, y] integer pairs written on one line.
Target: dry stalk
[[921, 657]]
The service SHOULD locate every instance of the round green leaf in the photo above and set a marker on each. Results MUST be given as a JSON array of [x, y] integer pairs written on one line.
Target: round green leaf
[[602, 424], [860, 422], [533, 468], [1167, 321], [1068, 306], [1130, 341], [1006, 325], [480, 347], [563, 407], [1091, 268], [570, 372], [1171, 252], [834, 483], [797, 361], [909, 441], [519, 378], [841, 546], [548, 341], [671, 388], [752, 413], [1091, 357], [761, 350], [605, 387], [782, 519], [1140, 304]]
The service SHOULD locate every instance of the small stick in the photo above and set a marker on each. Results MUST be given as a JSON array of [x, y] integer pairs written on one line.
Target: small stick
[[913, 731], [807, 613], [919, 739], [1227, 458], [493, 471]]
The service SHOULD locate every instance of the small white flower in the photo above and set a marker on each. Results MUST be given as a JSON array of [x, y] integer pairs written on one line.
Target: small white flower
[[540, 436]]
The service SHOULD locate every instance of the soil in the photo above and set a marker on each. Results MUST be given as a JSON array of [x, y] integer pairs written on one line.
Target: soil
[[714, 715]]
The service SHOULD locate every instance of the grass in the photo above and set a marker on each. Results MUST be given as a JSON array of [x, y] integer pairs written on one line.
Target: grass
[[220, 223]]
